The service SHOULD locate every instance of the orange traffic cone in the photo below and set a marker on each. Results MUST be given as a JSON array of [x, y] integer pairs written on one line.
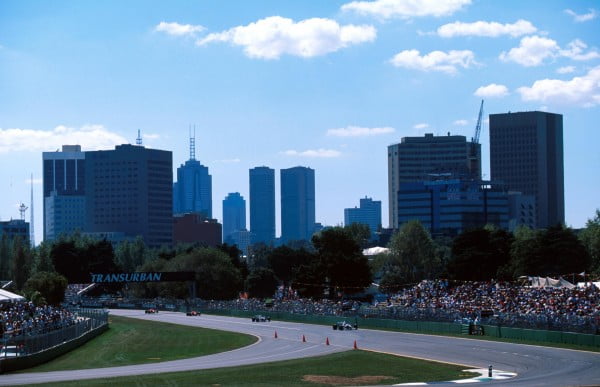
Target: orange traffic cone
[[355, 346], [275, 334], [327, 341], [303, 339]]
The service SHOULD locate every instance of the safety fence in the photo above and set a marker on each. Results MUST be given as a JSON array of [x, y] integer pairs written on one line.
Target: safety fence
[[86, 320], [529, 335]]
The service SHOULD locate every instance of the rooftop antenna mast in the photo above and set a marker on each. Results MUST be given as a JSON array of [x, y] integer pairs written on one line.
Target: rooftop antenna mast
[[22, 209], [31, 227], [193, 144], [138, 140]]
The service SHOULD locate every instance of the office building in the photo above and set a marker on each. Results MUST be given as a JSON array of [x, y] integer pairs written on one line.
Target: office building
[[262, 205], [129, 190], [234, 214], [429, 158], [297, 204], [449, 207], [241, 238], [15, 227], [196, 229], [192, 193], [368, 213], [64, 191], [521, 211], [526, 154]]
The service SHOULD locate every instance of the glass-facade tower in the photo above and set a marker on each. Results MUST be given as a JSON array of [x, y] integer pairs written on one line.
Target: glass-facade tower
[[262, 205]]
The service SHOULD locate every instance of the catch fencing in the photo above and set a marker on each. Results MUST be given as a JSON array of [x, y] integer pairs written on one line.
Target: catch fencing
[[87, 320]]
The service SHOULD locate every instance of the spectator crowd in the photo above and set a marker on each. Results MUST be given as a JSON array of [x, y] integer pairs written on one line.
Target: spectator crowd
[[24, 318], [495, 303]]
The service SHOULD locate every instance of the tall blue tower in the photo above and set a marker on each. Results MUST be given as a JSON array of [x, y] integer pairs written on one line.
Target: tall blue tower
[[234, 215], [297, 204], [192, 193], [262, 204]]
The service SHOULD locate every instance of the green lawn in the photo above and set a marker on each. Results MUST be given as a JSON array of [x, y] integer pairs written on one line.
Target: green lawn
[[134, 341], [345, 368]]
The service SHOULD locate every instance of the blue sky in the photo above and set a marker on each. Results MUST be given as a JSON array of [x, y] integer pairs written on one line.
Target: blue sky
[[324, 84]]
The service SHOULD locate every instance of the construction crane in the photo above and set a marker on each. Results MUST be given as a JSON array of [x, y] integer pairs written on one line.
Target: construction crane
[[475, 162], [475, 139]]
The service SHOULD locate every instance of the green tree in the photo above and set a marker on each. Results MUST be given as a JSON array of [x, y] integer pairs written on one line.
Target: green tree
[[412, 254], [342, 260], [42, 259], [361, 233], [5, 257], [50, 285], [261, 283], [258, 255], [552, 252], [309, 278], [235, 254], [284, 261], [21, 262], [124, 256], [479, 254], [590, 237]]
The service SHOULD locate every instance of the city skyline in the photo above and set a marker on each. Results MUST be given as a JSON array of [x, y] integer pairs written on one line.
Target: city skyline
[[331, 86]]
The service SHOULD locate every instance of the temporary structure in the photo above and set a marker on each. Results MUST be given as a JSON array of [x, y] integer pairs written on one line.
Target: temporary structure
[[6, 296]]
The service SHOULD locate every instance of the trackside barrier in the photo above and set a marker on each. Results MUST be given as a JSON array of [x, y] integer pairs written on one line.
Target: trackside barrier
[[426, 327], [30, 350]]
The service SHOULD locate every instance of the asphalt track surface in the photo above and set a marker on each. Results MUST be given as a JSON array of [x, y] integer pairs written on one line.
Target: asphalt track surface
[[534, 365]]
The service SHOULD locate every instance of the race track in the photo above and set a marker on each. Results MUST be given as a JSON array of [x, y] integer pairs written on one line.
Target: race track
[[534, 365]]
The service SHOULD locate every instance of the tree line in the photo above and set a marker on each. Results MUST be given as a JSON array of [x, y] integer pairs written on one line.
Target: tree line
[[330, 265]]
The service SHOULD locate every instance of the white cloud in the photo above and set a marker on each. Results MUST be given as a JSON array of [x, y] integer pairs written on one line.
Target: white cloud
[[314, 153], [487, 29], [151, 136], [357, 131], [492, 90], [421, 126], [533, 50], [584, 90], [176, 29], [461, 122], [575, 51], [591, 15], [37, 181], [405, 8], [274, 36], [565, 69], [228, 161], [434, 61], [90, 137]]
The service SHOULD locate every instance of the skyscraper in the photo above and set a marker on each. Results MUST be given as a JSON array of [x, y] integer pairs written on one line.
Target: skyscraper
[[526, 153], [129, 191], [192, 193], [297, 203], [234, 215], [262, 204], [368, 213], [64, 191], [428, 158]]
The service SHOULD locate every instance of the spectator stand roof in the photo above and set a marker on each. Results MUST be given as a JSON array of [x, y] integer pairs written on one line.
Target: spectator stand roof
[[6, 296]]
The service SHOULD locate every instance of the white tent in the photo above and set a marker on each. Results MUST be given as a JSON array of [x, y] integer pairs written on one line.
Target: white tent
[[376, 250], [547, 282], [6, 296]]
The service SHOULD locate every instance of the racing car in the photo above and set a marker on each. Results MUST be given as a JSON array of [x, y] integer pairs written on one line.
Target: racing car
[[151, 311], [260, 318], [344, 326], [192, 313]]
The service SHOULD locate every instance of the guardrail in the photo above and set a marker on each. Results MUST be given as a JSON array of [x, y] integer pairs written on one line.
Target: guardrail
[[26, 350], [531, 335]]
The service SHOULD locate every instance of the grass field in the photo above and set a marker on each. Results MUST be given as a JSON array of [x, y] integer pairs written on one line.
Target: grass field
[[345, 368], [134, 341]]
